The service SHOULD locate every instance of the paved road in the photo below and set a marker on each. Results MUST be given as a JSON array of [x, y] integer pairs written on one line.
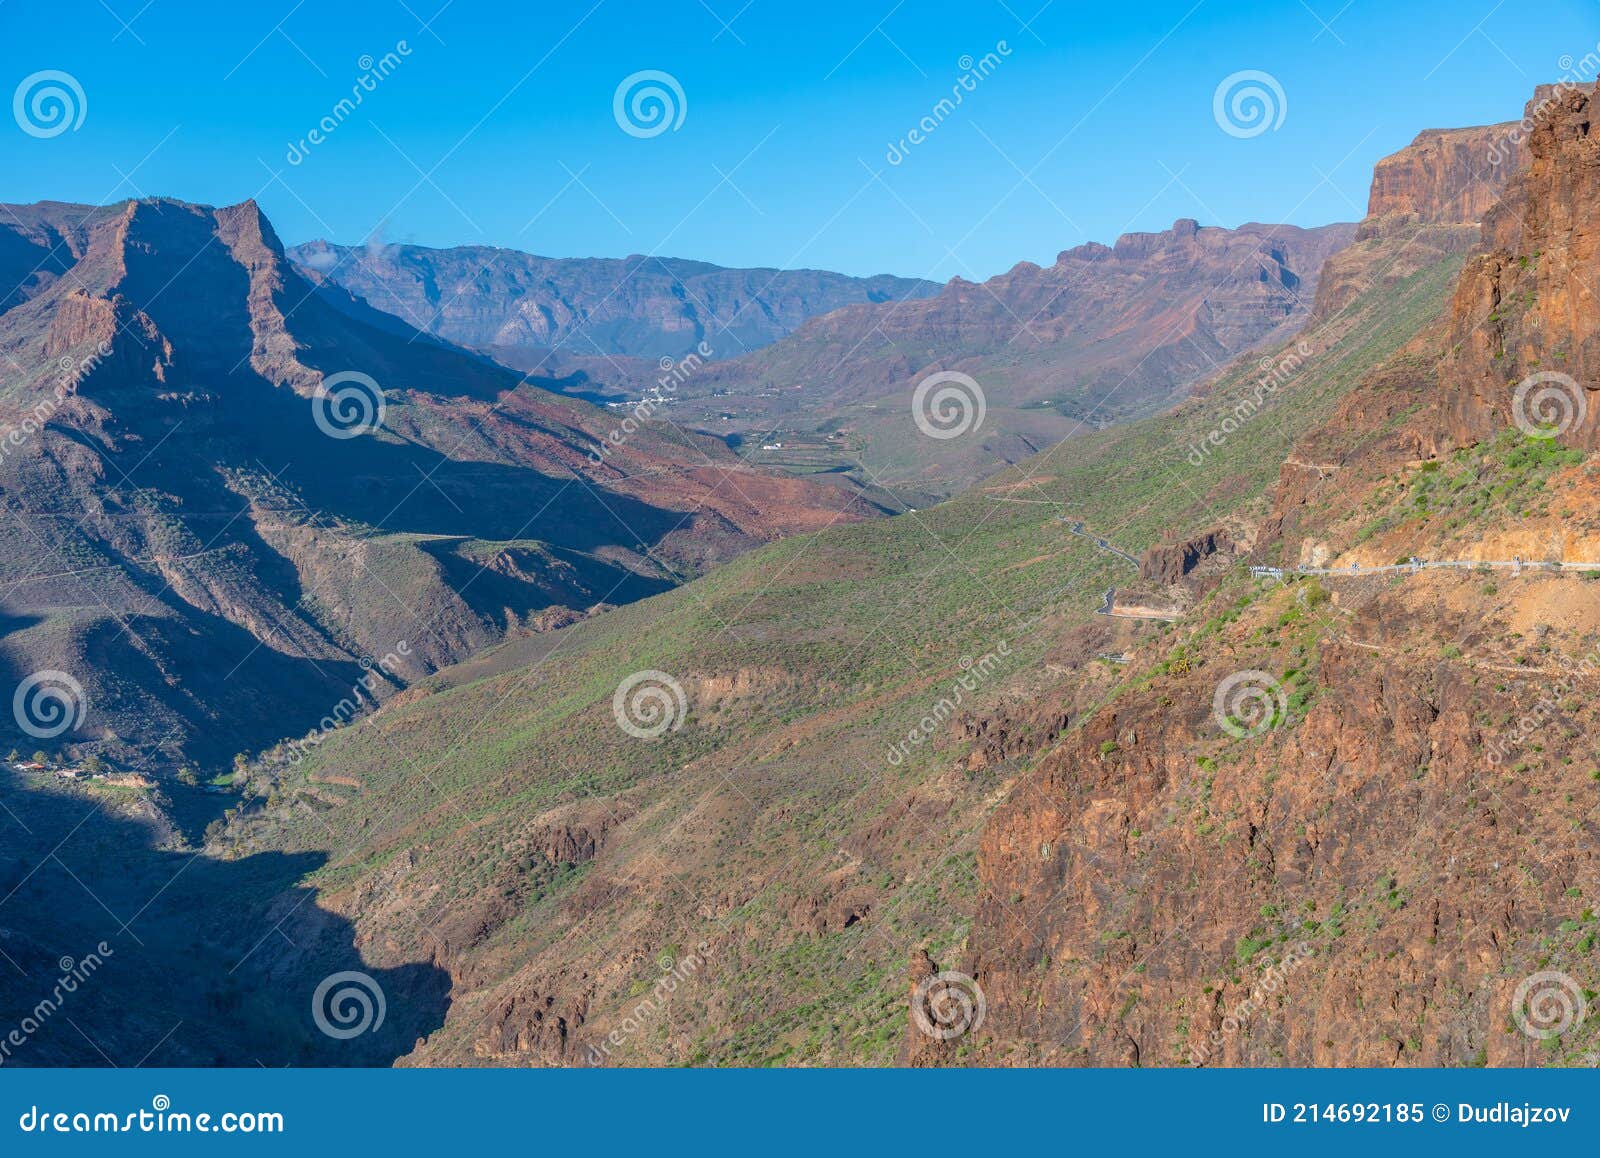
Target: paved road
[[1516, 566], [1077, 529]]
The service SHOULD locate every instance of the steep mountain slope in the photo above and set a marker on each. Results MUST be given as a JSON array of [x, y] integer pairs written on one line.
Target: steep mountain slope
[[1350, 820], [1105, 334], [224, 498], [523, 307], [841, 713]]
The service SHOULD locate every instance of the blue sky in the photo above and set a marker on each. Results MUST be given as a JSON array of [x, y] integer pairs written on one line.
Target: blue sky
[[496, 124]]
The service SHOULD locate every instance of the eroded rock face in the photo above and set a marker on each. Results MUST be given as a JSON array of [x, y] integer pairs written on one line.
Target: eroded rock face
[[1525, 306], [1426, 201], [1366, 877], [1446, 174], [1342, 891], [531, 1027], [1166, 563]]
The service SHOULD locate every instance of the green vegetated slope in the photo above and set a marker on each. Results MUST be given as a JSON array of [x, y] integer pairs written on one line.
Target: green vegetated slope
[[496, 820]]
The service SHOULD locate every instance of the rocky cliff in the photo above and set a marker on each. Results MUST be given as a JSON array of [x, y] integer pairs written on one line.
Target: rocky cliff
[[1525, 333], [1345, 821], [1446, 175], [1427, 200]]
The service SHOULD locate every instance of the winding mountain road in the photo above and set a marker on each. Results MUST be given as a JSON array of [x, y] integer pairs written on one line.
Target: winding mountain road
[[1104, 545]]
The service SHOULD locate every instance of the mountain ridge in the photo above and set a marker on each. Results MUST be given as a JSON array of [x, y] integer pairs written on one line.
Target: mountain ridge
[[180, 377], [495, 298]]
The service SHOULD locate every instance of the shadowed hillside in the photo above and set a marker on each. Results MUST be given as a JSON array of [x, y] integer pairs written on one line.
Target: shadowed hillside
[[224, 498], [838, 716]]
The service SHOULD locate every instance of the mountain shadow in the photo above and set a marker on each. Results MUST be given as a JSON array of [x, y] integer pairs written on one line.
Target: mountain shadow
[[116, 952]]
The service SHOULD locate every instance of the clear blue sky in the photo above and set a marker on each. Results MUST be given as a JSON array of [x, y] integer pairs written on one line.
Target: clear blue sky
[[498, 127]]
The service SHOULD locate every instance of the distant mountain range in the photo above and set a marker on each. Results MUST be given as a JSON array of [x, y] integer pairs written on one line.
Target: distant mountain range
[[1104, 334], [820, 369], [526, 307]]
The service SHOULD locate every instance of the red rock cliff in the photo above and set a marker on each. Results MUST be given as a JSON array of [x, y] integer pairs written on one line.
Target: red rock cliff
[[1527, 305]]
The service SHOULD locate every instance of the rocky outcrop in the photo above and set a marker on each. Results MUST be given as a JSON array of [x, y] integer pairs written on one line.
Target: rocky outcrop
[[534, 1027], [1524, 321], [1166, 563], [1426, 200], [1446, 175], [1366, 870]]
